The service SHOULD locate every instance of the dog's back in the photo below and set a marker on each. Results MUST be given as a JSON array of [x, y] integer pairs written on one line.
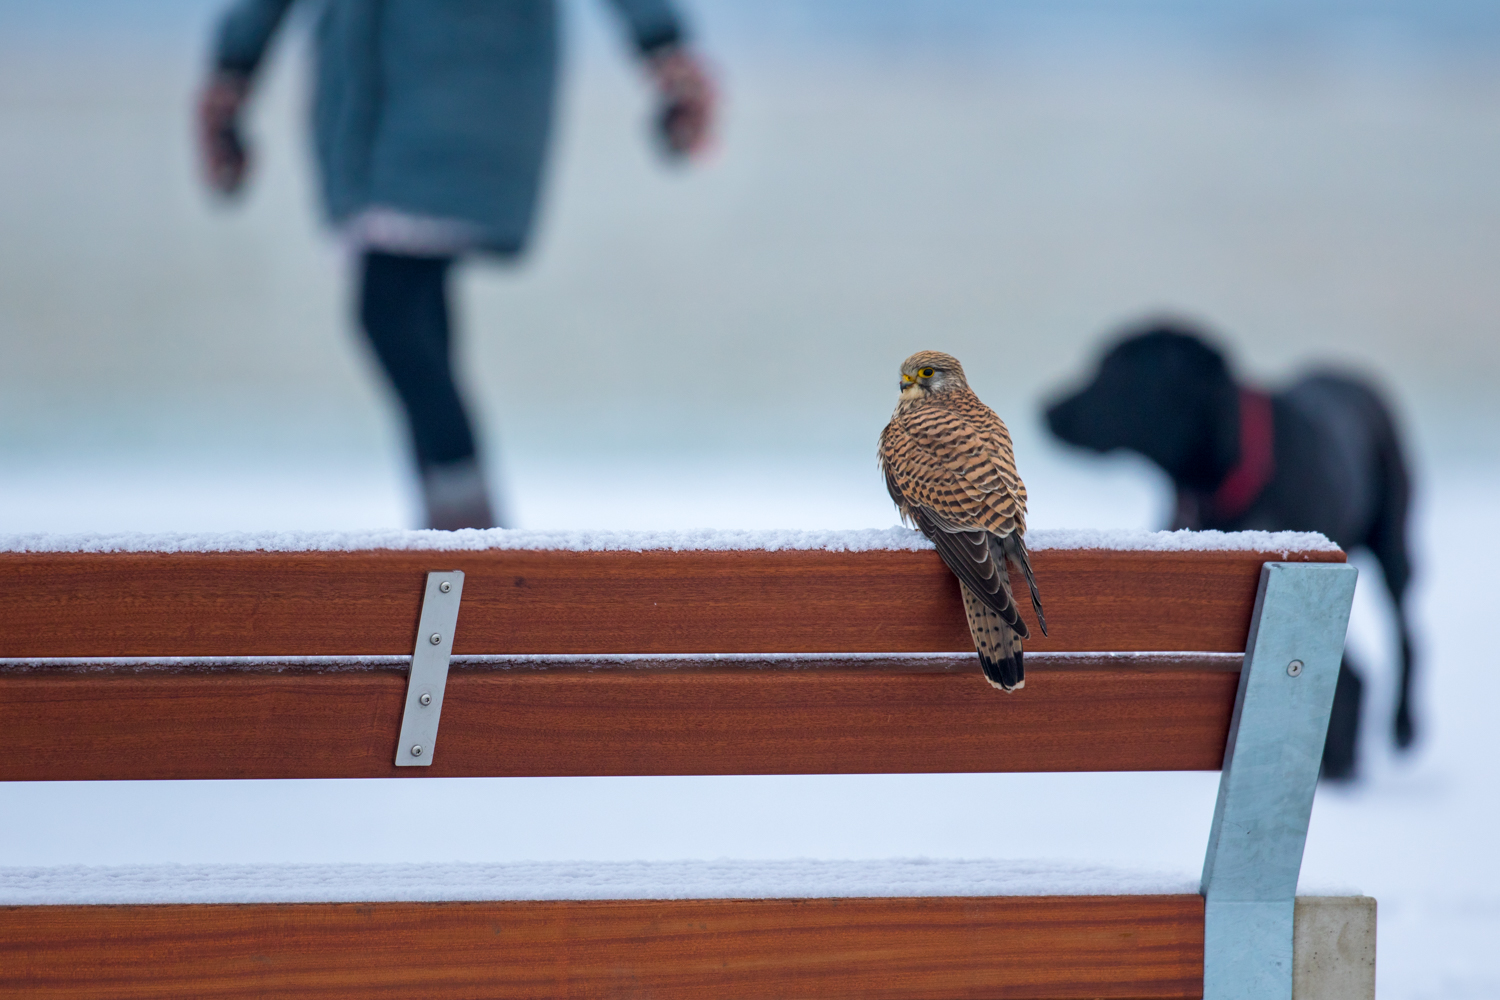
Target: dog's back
[[1360, 451], [1341, 444]]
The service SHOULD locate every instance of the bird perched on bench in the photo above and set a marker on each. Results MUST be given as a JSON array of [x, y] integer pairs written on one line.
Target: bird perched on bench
[[950, 467]]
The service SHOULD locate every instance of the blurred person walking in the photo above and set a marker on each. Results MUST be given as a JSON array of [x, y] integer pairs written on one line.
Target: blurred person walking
[[430, 122]]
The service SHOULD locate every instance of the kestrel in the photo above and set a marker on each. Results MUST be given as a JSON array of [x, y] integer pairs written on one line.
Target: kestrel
[[949, 466]]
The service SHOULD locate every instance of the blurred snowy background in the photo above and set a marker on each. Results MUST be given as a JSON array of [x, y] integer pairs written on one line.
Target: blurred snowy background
[[715, 347]]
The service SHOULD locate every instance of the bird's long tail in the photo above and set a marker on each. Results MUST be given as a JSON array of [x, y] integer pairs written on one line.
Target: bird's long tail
[[998, 645]]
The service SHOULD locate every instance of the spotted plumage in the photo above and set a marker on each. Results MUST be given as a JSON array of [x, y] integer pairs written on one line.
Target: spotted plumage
[[950, 467]]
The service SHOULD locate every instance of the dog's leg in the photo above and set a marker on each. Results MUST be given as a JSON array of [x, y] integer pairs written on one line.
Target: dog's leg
[[1340, 750], [1387, 540], [1406, 732]]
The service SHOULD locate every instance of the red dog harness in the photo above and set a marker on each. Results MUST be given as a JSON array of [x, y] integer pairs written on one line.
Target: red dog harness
[[1257, 463]]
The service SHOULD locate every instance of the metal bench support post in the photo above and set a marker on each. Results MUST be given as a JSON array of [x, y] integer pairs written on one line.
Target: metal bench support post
[[1270, 773]]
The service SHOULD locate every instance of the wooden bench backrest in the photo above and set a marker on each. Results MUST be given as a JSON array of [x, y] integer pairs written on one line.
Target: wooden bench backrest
[[526, 602], [682, 713]]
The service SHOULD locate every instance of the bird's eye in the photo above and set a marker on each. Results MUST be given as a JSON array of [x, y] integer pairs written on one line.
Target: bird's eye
[[925, 373]]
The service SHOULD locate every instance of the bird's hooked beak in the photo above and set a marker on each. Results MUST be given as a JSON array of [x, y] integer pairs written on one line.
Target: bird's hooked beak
[[911, 388]]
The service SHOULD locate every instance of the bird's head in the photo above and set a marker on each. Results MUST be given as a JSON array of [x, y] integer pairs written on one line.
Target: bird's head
[[929, 373]]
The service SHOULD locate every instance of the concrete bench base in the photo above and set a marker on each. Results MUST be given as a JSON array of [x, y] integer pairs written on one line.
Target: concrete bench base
[[1333, 949]]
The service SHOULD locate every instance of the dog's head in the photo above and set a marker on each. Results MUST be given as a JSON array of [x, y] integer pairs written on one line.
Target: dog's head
[[1164, 392]]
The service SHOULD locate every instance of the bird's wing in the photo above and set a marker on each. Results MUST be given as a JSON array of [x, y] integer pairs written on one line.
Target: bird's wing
[[963, 469], [975, 557], [1014, 548], [927, 495]]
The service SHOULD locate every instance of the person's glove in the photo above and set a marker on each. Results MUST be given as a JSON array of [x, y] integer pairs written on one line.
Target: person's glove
[[222, 151], [686, 116]]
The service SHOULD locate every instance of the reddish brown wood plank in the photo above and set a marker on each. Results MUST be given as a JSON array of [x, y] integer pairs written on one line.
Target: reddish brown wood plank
[[840, 719], [1054, 947], [354, 603]]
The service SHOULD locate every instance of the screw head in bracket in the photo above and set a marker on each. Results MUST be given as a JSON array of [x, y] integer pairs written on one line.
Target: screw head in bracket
[[434, 638], [426, 699], [416, 749], [1294, 669], [445, 586]]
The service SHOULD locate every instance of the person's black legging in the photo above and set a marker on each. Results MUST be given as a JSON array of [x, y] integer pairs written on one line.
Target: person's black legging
[[404, 310]]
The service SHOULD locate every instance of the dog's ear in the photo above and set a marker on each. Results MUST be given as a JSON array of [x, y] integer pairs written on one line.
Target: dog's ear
[[1184, 375], [1222, 409]]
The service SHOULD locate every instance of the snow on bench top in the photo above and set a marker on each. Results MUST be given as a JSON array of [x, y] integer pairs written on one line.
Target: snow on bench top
[[722, 879], [320, 883], [475, 540]]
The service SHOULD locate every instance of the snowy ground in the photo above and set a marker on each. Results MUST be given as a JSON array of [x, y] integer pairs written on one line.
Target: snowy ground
[[1416, 832], [1419, 833]]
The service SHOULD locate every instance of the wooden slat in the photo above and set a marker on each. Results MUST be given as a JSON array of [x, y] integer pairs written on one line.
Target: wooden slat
[[836, 718], [357, 603], [872, 949]]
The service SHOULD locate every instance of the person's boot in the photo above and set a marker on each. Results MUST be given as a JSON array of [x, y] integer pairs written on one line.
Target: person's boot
[[1340, 748], [455, 496]]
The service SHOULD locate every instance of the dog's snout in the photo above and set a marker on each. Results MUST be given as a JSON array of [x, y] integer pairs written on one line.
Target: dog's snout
[[1077, 419], [1062, 419]]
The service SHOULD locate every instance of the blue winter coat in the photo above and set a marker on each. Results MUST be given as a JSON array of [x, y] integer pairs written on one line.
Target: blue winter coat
[[435, 107]]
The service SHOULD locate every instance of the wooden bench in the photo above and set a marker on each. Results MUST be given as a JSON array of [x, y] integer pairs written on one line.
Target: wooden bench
[[735, 660]]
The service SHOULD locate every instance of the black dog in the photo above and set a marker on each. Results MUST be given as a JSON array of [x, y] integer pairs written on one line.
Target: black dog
[[1323, 455]]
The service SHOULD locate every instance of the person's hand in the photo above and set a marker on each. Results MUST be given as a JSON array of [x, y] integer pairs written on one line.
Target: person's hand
[[687, 97], [222, 152]]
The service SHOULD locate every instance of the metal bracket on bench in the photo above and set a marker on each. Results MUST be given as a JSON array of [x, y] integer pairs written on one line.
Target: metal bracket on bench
[[1269, 776], [429, 669]]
